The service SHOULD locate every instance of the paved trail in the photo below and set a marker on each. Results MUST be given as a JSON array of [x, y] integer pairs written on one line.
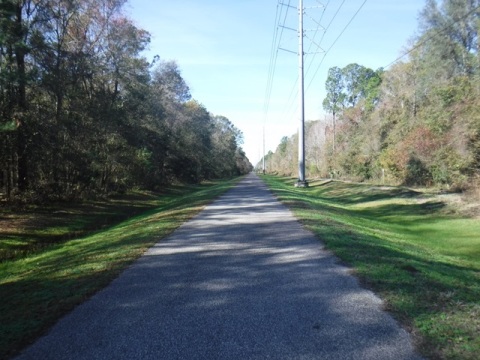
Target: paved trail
[[242, 280]]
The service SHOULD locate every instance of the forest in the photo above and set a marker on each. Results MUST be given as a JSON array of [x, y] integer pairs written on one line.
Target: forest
[[84, 114], [416, 123]]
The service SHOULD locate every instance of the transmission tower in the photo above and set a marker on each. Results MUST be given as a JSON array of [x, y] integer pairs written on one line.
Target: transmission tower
[[301, 182]]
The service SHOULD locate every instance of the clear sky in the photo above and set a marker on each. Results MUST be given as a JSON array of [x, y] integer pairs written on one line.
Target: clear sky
[[224, 48]]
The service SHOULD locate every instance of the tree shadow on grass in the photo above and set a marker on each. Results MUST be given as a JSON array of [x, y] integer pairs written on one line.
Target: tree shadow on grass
[[35, 229], [417, 289], [421, 289]]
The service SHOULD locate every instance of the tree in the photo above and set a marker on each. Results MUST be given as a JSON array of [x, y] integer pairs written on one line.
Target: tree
[[361, 84], [335, 99], [169, 80], [226, 139], [452, 33], [243, 164], [83, 113]]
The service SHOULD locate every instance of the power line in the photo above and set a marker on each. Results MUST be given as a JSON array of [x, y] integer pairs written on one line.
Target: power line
[[277, 38], [290, 100], [418, 45], [325, 32], [292, 96], [333, 44], [271, 68], [276, 45], [319, 25]]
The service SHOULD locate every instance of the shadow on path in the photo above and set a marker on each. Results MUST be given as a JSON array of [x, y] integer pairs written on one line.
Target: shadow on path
[[242, 280]]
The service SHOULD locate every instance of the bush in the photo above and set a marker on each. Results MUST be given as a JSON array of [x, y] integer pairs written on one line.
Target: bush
[[417, 173]]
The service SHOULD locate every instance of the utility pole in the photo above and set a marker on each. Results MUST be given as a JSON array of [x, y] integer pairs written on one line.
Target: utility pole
[[301, 182], [264, 149]]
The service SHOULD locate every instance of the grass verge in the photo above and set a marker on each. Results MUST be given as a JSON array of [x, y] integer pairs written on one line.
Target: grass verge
[[41, 282], [406, 246]]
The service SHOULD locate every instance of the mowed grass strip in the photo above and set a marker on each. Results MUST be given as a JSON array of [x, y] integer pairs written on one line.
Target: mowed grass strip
[[38, 288], [423, 261]]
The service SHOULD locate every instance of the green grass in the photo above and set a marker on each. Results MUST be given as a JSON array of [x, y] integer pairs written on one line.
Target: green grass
[[48, 271], [409, 248]]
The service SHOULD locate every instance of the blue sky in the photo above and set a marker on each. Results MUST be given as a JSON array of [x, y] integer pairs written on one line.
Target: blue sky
[[224, 47]]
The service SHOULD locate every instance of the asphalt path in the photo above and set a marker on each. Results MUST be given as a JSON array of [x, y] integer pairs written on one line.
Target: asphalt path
[[241, 280]]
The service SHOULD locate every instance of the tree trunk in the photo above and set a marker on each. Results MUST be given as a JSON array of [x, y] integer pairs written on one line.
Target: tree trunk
[[21, 101], [334, 131]]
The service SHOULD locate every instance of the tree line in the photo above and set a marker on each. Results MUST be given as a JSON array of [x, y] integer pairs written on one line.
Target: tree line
[[83, 113], [417, 123]]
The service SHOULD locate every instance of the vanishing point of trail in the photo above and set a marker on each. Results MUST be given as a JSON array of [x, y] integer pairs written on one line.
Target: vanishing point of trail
[[241, 280]]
